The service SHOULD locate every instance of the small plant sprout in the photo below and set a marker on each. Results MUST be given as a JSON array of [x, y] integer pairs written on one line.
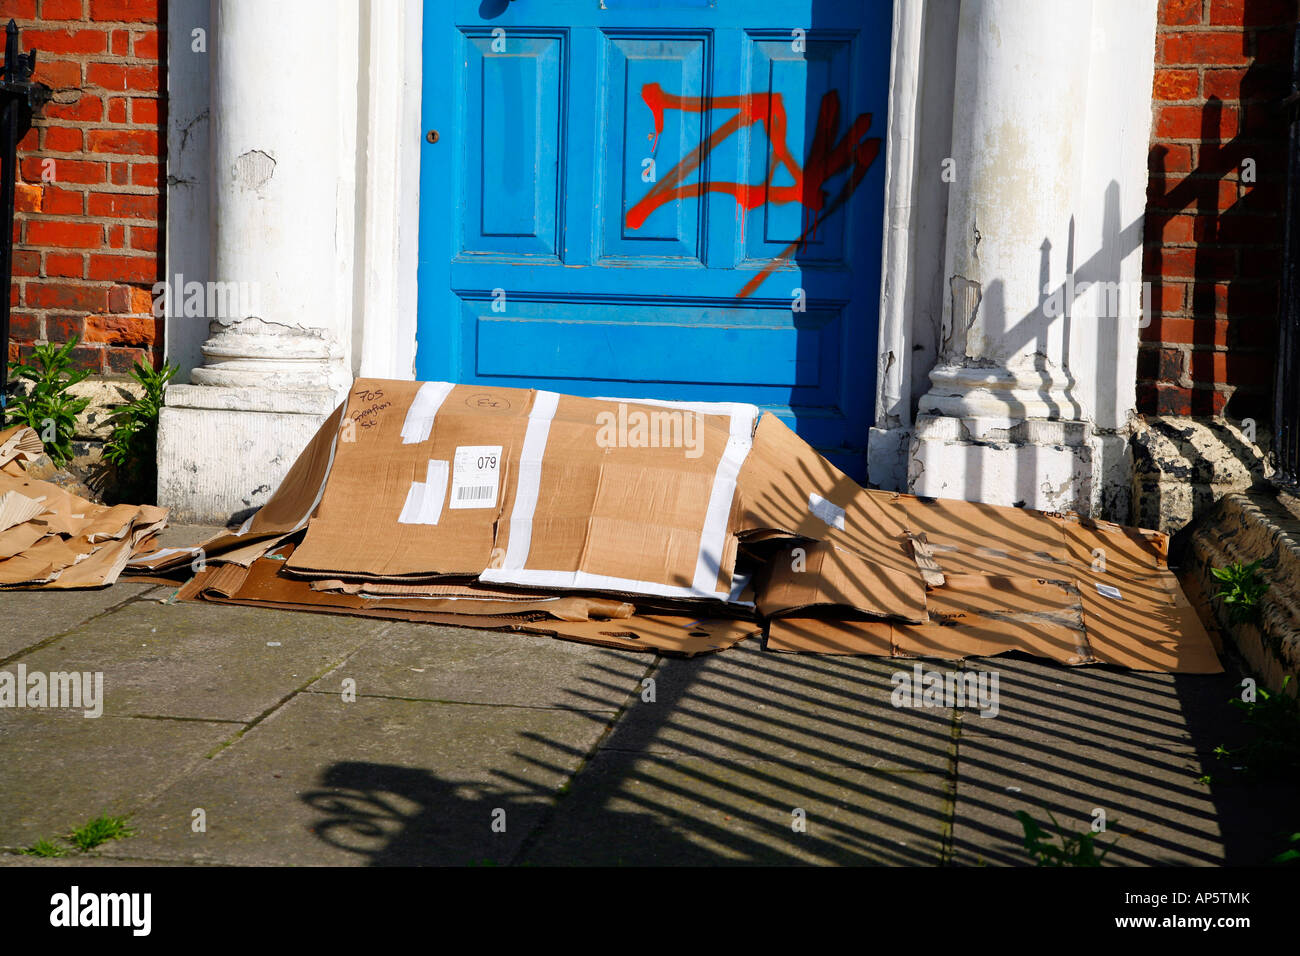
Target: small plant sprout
[[1075, 849], [1243, 587], [100, 830], [48, 406]]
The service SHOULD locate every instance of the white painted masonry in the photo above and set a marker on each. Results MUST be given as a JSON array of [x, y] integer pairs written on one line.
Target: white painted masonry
[[1030, 389], [312, 124], [294, 148]]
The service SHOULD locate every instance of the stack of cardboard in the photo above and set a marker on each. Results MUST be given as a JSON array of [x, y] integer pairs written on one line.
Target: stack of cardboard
[[50, 538], [673, 527]]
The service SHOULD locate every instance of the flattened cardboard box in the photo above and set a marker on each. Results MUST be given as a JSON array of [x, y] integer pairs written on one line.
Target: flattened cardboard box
[[528, 488]]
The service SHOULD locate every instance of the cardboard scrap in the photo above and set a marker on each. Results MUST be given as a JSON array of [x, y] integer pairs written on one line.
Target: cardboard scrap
[[51, 538], [672, 526], [21, 444]]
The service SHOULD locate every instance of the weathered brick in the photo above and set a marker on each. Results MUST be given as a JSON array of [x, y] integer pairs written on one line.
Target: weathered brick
[[128, 299], [133, 142], [120, 329], [1176, 84], [64, 265], [119, 361], [124, 10], [71, 235], [25, 326], [1180, 12], [144, 111], [122, 205], [62, 10], [61, 139], [27, 198], [62, 202], [64, 328], [66, 295], [62, 170], [87, 108], [1203, 48], [123, 268], [66, 41], [144, 238]]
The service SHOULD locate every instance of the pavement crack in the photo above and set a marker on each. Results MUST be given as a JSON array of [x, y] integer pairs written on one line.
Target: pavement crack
[[948, 809], [46, 642]]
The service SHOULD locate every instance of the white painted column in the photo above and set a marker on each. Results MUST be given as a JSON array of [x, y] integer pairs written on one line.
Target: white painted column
[[284, 84], [1003, 421]]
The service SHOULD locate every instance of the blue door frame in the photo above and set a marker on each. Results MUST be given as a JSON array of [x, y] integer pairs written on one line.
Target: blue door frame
[[677, 199]]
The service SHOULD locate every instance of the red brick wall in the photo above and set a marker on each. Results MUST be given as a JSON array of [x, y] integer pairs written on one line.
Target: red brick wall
[[86, 243], [1213, 240]]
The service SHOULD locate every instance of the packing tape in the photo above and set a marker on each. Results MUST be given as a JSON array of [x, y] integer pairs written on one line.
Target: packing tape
[[418, 425], [530, 481], [424, 499]]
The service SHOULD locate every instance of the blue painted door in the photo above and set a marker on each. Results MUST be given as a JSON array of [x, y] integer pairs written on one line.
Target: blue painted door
[[658, 198]]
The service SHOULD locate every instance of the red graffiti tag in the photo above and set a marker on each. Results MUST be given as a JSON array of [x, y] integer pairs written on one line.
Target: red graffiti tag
[[826, 159]]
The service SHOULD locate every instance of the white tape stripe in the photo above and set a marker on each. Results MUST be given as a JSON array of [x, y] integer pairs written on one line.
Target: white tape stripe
[[418, 424], [828, 511], [530, 480], [424, 499], [713, 537]]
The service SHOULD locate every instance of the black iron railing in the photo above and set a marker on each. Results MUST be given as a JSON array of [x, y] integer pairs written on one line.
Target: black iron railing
[[19, 99], [1286, 407]]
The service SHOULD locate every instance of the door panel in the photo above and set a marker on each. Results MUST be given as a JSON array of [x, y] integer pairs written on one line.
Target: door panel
[[658, 198]]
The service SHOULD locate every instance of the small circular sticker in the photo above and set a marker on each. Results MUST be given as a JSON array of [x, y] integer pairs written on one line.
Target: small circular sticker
[[488, 400]]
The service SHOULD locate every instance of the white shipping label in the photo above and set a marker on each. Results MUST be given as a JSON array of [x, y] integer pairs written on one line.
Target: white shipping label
[[476, 476]]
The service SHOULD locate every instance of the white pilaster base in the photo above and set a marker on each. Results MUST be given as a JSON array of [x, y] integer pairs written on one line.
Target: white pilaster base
[[887, 458], [1047, 465], [224, 451]]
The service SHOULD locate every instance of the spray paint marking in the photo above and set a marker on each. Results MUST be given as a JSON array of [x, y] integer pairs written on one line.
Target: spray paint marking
[[826, 159]]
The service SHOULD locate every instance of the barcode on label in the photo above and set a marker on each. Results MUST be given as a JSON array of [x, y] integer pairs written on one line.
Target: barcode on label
[[476, 476]]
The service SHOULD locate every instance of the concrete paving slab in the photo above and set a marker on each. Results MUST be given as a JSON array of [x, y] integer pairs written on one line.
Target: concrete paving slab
[[205, 662], [61, 769], [744, 704], [377, 781], [1109, 708], [29, 617], [421, 661], [630, 810], [1153, 799]]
